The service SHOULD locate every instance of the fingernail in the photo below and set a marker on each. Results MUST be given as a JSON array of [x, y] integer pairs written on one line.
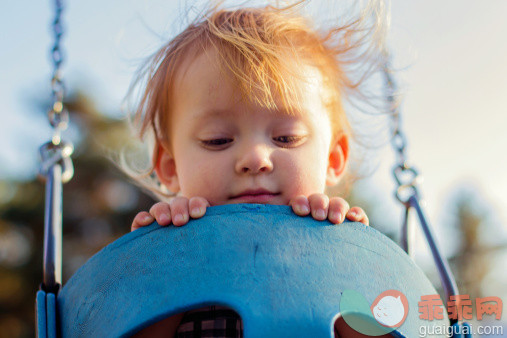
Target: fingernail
[[353, 214], [179, 218], [321, 214], [303, 209], [164, 218], [335, 216], [147, 219], [197, 211]]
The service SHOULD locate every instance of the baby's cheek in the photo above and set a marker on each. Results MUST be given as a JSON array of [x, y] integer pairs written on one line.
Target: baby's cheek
[[305, 180], [205, 183], [315, 165]]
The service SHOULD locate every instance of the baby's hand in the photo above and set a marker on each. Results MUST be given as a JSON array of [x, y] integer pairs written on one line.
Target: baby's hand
[[334, 209], [177, 212]]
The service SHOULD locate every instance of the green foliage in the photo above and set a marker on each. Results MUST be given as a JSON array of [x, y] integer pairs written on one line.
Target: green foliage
[[98, 207]]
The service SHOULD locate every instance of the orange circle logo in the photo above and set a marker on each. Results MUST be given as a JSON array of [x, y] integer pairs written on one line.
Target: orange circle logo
[[390, 308]]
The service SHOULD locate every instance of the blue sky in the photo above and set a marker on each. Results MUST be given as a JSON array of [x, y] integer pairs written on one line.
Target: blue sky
[[452, 55]]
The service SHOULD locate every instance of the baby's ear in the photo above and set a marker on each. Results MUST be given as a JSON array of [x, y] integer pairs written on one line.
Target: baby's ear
[[338, 157], [166, 169]]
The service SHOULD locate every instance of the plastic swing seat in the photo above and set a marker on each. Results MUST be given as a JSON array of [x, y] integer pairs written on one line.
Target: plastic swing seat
[[283, 274]]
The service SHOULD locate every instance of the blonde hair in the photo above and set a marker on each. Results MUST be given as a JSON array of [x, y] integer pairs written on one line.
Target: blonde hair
[[253, 47]]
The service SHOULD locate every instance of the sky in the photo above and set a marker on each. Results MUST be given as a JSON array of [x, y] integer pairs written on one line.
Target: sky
[[450, 55]]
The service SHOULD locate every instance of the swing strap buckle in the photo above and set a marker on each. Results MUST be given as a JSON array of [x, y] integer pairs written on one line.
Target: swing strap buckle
[[52, 154]]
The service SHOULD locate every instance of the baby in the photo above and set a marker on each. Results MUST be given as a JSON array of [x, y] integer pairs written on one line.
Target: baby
[[245, 106]]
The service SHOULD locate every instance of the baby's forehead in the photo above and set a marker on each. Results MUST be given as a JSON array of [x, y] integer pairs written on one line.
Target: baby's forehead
[[230, 114], [206, 74], [195, 65], [226, 60]]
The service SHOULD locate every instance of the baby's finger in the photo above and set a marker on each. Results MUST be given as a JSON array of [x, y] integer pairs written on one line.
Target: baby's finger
[[179, 211], [197, 206], [357, 214], [319, 204], [338, 208], [162, 213], [300, 205], [142, 219]]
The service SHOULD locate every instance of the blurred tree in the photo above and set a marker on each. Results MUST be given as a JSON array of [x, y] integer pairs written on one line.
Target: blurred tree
[[98, 207], [471, 262]]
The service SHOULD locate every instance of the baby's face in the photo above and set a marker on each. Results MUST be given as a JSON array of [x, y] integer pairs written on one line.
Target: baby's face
[[231, 151]]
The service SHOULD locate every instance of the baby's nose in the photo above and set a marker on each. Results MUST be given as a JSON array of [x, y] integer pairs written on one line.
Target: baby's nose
[[255, 160]]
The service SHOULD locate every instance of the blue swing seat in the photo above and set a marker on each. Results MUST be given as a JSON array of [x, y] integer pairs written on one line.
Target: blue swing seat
[[283, 274]]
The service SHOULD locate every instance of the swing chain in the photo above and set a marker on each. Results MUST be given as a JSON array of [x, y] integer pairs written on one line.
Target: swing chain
[[58, 116], [407, 177], [56, 167], [57, 151], [408, 194]]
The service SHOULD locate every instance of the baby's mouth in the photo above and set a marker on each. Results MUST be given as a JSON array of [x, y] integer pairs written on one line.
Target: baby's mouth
[[255, 196]]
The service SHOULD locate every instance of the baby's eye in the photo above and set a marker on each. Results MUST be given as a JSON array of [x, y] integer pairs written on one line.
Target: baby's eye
[[289, 141], [216, 143]]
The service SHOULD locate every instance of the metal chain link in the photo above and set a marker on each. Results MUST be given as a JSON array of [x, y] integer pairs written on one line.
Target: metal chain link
[[57, 151], [406, 177], [57, 114]]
